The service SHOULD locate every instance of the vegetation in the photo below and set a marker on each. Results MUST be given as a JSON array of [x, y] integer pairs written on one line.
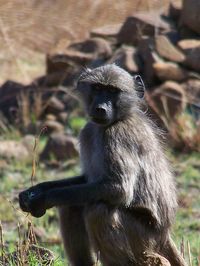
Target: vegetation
[[15, 229]]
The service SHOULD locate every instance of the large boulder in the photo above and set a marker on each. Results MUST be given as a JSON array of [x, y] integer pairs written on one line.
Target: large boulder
[[12, 149], [192, 89], [167, 49], [149, 57], [175, 9], [53, 126], [63, 60], [139, 24], [168, 100], [190, 14], [191, 48], [9, 96], [193, 59], [187, 45], [54, 105], [61, 147], [127, 58], [107, 32], [99, 47], [171, 71]]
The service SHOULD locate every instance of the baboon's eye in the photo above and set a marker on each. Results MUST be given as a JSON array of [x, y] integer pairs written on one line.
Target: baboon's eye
[[96, 87], [113, 89]]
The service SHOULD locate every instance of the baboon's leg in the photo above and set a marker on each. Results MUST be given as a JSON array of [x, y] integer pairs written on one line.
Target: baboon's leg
[[172, 254], [106, 230], [75, 238]]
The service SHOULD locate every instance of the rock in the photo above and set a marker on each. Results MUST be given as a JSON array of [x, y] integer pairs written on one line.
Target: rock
[[107, 32], [64, 60], [56, 63], [56, 75], [62, 117], [192, 89], [190, 14], [175, 9], [53, 126], [149, 57], [50, 117], [61, 146], [69, 101], [99, 47], [188, 45], [28, 141], [153, 259], [12, 149], [140, 24], [170, 71], [169, 100], [9, 93], [54, 106], [187, 33], [127, 58], [193, 59], [173, 36], [191, 47], [168, 50]]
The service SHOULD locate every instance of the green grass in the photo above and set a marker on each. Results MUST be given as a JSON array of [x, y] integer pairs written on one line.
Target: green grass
[[15, 176]]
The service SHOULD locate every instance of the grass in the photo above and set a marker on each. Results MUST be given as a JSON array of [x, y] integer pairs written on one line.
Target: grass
[[16, 176]]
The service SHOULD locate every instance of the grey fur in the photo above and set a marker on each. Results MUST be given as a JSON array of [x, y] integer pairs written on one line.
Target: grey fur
[[128, 153], [125, 202]]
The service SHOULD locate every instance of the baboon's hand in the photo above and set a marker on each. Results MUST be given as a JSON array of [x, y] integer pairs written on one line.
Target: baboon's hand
[[33, 200]]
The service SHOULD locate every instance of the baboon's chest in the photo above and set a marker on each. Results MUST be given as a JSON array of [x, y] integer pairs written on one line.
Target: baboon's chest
[[93, 158]]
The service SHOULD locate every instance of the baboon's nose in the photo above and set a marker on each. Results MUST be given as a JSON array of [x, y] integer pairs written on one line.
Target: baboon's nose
[[100, 111]]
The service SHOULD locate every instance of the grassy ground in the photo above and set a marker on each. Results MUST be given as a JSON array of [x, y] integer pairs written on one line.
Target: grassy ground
[[15, 176]]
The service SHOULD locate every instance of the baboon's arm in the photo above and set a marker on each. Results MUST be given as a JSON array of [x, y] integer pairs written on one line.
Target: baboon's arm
[[77, 180], [83, 194], [36, 199]]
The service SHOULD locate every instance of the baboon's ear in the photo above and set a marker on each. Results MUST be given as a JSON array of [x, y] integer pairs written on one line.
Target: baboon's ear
[[82, 80], [139, 86]]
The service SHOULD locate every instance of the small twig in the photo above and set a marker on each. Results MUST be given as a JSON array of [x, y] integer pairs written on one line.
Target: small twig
[[35, 149], [189, 253], [2, 244], [182, 247]]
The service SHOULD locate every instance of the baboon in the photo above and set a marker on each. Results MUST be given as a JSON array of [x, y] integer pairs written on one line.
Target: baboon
[[125, 201]]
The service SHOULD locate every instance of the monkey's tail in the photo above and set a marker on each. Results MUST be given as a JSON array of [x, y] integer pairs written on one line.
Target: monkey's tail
[[172, 254]]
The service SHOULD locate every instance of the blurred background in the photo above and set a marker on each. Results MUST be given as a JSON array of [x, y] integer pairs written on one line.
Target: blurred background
[[44, 46]]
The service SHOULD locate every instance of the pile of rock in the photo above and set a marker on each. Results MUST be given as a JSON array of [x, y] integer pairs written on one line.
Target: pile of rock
[[162, 46]]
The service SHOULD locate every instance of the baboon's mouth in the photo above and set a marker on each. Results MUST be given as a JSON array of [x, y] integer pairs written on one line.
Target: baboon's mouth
[[100, 121]]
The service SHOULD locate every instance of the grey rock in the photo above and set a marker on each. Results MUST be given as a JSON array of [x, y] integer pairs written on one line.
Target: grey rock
[[12, 149], [140, 24], [168, 50], [127, 58], [190, 14], [53, 126], [168, 100], [108, 31], [99, 47], [170, 71], [61, 146], [149, 57]]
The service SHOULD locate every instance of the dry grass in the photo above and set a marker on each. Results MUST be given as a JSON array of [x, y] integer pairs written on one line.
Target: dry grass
[[27, 26]]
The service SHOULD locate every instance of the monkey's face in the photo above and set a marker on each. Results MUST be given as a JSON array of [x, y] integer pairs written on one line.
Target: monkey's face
[[106, 104], [101, 104], [109, 93]]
